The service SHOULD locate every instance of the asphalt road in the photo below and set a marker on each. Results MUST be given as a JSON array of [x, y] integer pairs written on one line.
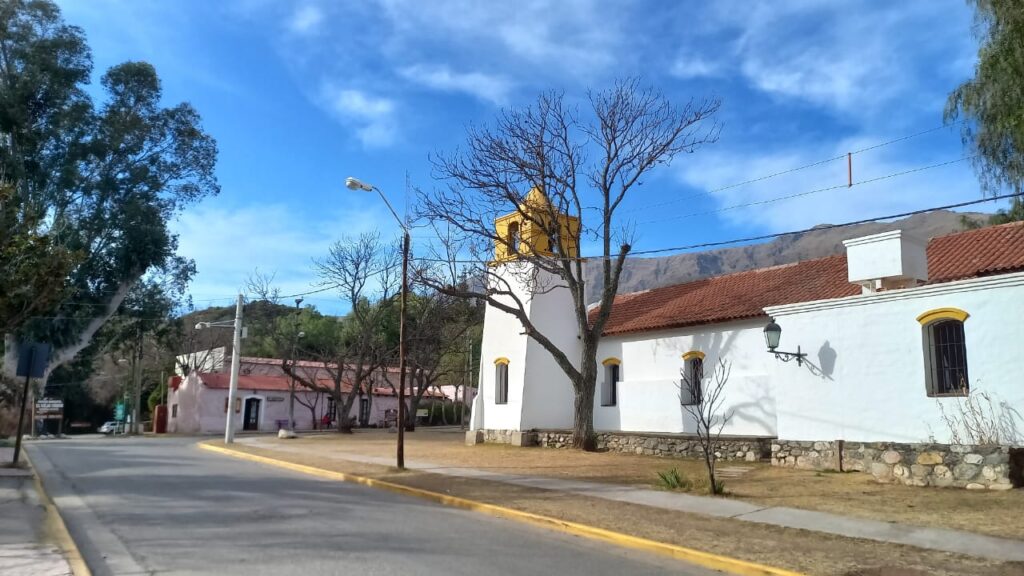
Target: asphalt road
[[162, 506]]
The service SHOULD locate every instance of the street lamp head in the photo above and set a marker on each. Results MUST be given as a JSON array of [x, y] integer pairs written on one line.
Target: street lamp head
[[354, 184], [202, 325], [772, 334]]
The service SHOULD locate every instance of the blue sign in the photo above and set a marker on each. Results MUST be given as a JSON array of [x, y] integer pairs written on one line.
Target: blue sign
[[119, 411]]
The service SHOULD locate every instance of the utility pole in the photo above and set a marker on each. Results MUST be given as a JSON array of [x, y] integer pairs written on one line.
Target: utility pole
[[21, 412], [236, 359], [137, 383], [291, 389], [400, 456]]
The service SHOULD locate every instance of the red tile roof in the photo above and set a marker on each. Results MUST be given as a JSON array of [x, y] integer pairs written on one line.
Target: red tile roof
[[986, 251], [222, 380]]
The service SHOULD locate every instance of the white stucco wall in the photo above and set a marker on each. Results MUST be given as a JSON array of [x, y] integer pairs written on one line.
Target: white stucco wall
[[866, 376], [649, 389]]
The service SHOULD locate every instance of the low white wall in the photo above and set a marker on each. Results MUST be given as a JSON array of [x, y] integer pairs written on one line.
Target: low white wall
[[649, 390], [866, 377]]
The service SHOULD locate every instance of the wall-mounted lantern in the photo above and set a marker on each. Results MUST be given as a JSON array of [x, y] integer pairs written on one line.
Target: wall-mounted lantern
[[772, 335]]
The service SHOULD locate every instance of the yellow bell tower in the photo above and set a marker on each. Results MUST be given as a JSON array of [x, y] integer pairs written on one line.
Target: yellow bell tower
[[526, 236]]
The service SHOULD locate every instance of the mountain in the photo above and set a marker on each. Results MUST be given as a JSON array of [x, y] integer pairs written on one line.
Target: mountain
[[646, 273]]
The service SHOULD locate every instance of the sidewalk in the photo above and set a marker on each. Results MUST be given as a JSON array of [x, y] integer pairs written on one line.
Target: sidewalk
[[953, 541], [24, 546]]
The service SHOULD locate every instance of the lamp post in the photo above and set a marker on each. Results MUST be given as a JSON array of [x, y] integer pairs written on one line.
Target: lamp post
[[291, 389], [772, 336], [354, 184], [236, 353]]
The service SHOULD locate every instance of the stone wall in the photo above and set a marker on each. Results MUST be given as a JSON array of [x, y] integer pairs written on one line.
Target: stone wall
[[943, 465], [668, 445]]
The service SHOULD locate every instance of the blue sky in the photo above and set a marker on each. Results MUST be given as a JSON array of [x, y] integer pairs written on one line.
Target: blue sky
[[302, 93]]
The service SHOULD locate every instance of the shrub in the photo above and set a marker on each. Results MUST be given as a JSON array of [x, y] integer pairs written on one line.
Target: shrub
[[674, 480]]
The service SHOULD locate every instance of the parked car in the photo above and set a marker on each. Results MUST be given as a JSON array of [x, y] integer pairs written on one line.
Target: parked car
[[108, 427]]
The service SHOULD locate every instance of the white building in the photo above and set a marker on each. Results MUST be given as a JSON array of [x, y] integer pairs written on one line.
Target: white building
[[897, 332]]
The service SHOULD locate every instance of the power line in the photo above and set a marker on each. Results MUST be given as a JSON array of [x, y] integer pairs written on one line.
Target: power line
[[763, 236], [807, 193], [789, 170]]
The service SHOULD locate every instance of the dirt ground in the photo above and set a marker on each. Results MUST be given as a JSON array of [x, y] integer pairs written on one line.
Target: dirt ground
[[808, 552], [853, 494]]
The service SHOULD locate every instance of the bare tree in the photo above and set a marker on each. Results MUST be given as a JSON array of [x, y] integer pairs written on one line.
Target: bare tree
[[365, 272], [703, 399], [543, 150]]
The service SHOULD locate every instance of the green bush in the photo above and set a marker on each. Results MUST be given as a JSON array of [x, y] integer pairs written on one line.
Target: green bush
[[674, 480]]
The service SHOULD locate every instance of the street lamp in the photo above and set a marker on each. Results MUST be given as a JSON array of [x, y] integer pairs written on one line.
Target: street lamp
[[236, 353], [772, 336], [355, 184]]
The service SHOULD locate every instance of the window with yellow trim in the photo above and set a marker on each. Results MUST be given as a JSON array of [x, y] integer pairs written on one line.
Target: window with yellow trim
[[945, 349], [693, 375], [501, 382], [610, 386]]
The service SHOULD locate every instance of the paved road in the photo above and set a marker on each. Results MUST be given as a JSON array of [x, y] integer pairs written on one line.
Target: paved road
[[145, 506]]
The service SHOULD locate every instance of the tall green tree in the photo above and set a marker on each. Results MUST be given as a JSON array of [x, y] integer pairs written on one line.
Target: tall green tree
[[108, 175], [991, 105]]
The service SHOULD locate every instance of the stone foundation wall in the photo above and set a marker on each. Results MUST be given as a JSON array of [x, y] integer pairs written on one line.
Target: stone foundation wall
[[943, 465], [668, 445]]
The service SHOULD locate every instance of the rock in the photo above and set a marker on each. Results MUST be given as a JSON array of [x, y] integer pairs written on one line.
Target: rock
[[989, 473], [959, 448], [929, 458], [995, 459], [941, 470], [1000, 486], [965, 471], [751, 457], [284, 433], [900, 471], [881, 471], [944, 481], [920, 471], [891, 457], [776, 447], [974, 458], [975, 486], [820, 446]]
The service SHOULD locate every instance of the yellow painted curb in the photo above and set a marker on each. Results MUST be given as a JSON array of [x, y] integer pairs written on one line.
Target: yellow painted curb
[[56, 527], [705, 559]]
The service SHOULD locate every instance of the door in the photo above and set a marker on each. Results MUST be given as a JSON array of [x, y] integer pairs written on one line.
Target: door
[[251, 420], [364, 411]]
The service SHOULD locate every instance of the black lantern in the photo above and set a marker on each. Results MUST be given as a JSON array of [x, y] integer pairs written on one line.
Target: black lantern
[[772, 335]]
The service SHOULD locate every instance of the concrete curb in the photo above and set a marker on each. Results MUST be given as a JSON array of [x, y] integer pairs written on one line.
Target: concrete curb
[[704, 559], [56, 527]]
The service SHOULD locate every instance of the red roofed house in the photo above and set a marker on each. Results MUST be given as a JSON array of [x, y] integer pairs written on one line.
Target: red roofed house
[[198, 402], [897, 332]]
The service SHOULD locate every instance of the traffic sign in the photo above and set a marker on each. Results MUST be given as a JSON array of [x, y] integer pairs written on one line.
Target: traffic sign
[[119, 411]]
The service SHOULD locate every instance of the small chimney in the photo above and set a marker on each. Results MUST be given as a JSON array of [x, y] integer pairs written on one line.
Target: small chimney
[[886, 261]]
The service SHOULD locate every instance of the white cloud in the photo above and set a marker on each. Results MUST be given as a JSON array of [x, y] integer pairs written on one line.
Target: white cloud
[[487, 87], [372, 117], [306, 19], [692, 66], [229, 244], [924, 189]]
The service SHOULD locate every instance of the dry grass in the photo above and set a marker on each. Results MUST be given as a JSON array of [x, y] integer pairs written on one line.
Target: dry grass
[[852, 494], [808, 552]]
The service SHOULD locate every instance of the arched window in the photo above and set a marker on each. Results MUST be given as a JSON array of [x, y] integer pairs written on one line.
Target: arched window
[[610, 386], [501, 381], [692, 391], [514, 237], [945, 352]]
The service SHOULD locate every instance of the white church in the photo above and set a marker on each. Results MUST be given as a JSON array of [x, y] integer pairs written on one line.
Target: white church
[[855, 361]]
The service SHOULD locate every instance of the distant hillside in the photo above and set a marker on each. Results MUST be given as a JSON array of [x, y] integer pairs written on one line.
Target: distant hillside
[[646, 273]]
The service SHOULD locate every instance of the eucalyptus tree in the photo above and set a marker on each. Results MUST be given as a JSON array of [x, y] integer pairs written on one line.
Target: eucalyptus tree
[[105, 176], [990, 104]]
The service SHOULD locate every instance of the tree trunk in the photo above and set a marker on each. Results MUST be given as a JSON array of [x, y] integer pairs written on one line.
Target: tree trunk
[[583, 436], [410, 417]]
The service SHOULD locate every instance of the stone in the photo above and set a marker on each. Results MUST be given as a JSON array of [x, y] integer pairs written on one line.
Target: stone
[[820, 446], [965, 471], [881, 471], [988, 472], [944, 481], [920, 471], [959, 448], [285, 433], [891, 457], [900, 471], [474, 437], [1000, 487], [796, 451], [929, 458], [974, 458], [995, 459], [975, 486], [751, 457]]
